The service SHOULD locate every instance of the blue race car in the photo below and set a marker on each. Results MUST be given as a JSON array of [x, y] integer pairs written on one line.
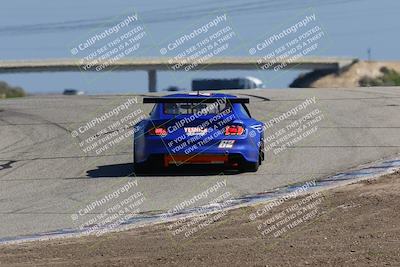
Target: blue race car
[[198, 128]]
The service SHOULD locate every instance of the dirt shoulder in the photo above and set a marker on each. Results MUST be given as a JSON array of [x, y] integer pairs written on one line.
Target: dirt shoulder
[[356, 225], [349, 77]]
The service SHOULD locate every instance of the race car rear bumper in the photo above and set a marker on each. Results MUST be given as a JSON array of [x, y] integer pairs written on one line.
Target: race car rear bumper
[[147, 147], [195, 159], [227, 160]]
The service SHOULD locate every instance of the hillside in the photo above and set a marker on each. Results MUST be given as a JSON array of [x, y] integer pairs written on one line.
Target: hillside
[[361, 73]]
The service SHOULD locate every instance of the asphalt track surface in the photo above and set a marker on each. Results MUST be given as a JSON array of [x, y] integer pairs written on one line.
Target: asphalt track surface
[[45, 177]]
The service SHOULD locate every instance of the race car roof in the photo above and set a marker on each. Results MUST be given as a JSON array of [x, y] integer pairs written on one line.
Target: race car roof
[[195, 98]]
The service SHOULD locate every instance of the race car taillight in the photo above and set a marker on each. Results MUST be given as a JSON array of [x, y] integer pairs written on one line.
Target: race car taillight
[[234, 130], [158, 131]]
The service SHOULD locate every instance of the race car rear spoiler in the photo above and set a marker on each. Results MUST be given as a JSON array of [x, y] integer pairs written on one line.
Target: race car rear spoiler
[[147, 100]]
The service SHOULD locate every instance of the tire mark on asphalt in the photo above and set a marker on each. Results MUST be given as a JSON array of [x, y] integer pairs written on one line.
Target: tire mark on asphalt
[[369, 92], [26, 148], [10, 145], [337, 99], [23, 131], [38, 118], [48, 123], [7, 165], [70, 157]]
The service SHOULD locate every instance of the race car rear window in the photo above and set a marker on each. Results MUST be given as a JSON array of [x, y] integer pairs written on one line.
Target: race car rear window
[[195, 108]]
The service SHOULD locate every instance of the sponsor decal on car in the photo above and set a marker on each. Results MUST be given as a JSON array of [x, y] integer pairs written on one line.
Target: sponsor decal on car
[[190, 131], [257, 127], [226, 144]]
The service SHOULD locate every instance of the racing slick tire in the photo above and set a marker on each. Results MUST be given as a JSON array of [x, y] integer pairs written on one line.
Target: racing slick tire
[[152, 165], [251, 166], [140, 168]]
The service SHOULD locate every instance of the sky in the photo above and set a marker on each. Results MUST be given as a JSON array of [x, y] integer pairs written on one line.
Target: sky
[[49, 29]]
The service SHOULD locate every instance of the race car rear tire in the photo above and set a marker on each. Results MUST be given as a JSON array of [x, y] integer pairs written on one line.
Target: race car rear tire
[[262, 153], [140, 167], [251, 166], [152, 165]]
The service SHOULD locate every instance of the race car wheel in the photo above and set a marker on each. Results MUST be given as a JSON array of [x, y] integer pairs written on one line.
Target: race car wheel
[[251, 166], [152, 165], [140, 167], [261, 153]]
